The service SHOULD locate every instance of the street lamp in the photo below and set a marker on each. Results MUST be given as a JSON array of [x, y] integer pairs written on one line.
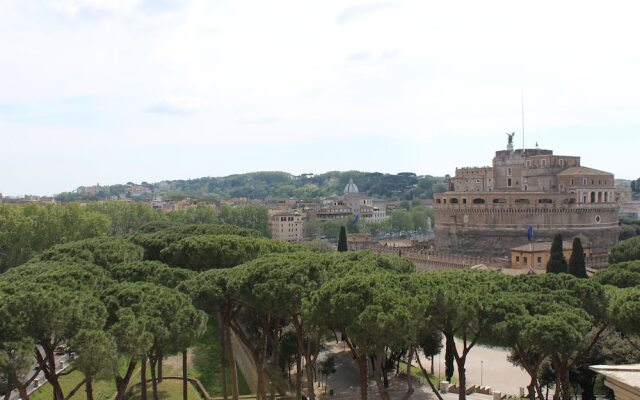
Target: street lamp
[[481, 363]]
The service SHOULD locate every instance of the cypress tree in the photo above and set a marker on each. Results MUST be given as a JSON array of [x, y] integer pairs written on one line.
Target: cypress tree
[[577, 265], [449, 358], [557, 263], [342, 239]]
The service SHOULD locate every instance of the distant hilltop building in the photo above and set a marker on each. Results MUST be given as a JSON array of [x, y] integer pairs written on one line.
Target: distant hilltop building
[[352, 204], [488, 210]]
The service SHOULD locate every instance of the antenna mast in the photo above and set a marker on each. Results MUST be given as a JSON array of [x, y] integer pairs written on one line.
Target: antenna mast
[[523, 122]]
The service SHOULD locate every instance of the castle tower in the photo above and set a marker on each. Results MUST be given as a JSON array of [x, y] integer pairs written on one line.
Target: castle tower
[[487, 211]]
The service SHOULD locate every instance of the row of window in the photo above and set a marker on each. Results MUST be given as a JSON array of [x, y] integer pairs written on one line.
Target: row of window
[[478, 200], [585, 182], [284, 219], [561, 163], [526, 260]]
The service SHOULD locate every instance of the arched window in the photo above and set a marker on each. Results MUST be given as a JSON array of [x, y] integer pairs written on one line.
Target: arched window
[[453, 200], [523, 201], [478, 201], [593, 197], [545, 201], [499, 201]]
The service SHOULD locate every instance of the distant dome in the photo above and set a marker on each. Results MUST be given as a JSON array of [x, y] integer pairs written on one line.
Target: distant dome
[[351, 187]]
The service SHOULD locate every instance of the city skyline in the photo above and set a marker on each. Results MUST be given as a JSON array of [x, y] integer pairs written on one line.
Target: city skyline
[[117, 91]]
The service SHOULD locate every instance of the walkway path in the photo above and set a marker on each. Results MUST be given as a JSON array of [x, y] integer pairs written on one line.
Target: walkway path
[[345, 382], [488, 366]]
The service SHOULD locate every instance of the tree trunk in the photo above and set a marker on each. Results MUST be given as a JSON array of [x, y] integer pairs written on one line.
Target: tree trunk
[[23, 392], [123, 383], [48, 367], [308, 361], [22, 387], [231, 360], [428, 378], [223, 356], [154, 380], [432, 369], [532, 368], [299, 369], [563, 385], [73, 391], [261, 358], [383, 371], [462, 377], [384, 395], [409, 377], [89, 386], [184, 374], [143, 379], [531, 390], [362, 366], [566, 384], [587, 389], [274, 358], [160, 376], [558, 389], [307, 355]]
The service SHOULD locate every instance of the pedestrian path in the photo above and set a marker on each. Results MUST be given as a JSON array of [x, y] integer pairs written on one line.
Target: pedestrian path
[[345, 383]]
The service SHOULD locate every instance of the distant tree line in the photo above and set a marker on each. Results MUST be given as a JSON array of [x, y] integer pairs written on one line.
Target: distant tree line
[[260, 185], [635, 186], [26, 230], [629, 228]]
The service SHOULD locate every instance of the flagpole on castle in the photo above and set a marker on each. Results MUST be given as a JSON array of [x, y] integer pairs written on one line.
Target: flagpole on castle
[[522, 101], [530, 237]]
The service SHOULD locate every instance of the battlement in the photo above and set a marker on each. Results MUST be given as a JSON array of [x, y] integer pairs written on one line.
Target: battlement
[[487, 210]]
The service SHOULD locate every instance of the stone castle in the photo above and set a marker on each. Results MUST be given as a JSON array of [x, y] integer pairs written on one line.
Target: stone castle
[[487, 211]]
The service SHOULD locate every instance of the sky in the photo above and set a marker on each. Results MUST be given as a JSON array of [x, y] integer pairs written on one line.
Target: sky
[[113, 91]]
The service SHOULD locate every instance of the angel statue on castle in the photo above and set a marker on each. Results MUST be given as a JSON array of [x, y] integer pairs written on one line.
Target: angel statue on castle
[[510, 135]]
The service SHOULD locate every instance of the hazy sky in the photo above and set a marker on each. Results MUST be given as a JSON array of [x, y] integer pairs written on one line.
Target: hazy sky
[[112, 91]]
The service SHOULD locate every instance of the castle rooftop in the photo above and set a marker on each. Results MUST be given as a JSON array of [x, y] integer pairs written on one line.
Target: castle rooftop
[[583, 171]]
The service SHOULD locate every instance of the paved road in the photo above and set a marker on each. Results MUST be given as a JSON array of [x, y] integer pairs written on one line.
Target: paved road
[[345, 383], [485, 366], [488, 366], [41, 380]]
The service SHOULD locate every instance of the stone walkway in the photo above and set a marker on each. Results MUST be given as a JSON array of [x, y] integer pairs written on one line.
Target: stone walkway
[[488, 366], [345, 382]]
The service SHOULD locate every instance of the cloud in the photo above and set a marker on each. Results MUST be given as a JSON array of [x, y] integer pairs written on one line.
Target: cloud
[[90, 10], [176, 106], [74, 8], [390, 54], [359, 56], [354, 12], [256, 120]]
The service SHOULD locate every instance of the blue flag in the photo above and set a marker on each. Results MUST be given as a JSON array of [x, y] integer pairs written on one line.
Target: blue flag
[[355, 220], [530, 233]]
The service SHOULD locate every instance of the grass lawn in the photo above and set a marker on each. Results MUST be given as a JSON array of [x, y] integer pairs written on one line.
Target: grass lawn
[[416, 372], [205, 365], [102, 390], [168, 389]]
